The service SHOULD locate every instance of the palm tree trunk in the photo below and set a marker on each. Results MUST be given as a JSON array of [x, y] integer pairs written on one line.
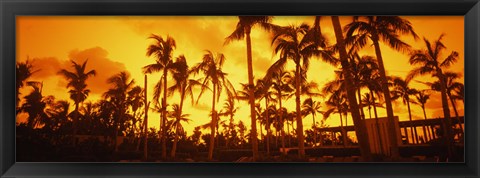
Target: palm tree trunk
[[175, 141], [429, 132], [377, 124], [360, 104], [212, 126], [267, 125], [345, 133], [164, 115], [74, 124], [360, 128], [301, 146], [341, 127], [288, 134], [251, 98], [281, 120], [413, 129], [174, 147], [456, 112], [393, 139], [262, 138], [145, 122], [446, 112], [314, 131]]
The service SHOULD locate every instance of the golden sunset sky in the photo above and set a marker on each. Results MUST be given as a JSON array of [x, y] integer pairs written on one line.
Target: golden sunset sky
[[118, 43]]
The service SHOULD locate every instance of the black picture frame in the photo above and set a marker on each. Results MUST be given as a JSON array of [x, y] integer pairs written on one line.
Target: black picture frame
[[9, 9]]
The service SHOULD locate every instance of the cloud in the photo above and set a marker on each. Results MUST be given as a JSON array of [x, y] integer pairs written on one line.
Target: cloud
[[47, 67], [202, 106], [97, 60]]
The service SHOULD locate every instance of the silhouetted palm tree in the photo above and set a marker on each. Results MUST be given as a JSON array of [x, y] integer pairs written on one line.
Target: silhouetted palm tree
[[336, 103], [78, 92], [162, 49], [121, 83], [281, 85], [24, 70], [429, 62], [229, 109], [311, 107], [401, 89], [183, 84], [58, 114], [35, 107], [135, 99], [459, 93], [452, 85], [211, 68], [384, 29], [178, 118], [421, 98], [263, 88], [359, 125]]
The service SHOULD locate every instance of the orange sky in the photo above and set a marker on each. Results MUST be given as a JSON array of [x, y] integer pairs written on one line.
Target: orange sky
[[115, 44]]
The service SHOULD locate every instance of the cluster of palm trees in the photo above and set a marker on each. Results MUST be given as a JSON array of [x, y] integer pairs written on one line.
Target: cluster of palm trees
[[120, 109]]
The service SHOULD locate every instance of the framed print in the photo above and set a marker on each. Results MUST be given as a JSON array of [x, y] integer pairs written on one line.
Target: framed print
[[239, 89]]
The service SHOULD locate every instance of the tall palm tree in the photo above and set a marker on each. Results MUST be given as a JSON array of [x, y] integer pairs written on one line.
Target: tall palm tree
[[162, 49], [297, 43], [24, 70], [243, 30], [429, 62], [121, 85], [384, 29], [421, 98], [178, 118], [213, 75], [401, 89], [77, 82], [359, 125], [311, 107]]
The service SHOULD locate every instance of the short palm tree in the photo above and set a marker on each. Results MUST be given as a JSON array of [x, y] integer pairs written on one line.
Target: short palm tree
[[35, 107], [178, 118], [452, 85], [384, 29], [213, 75], [117, 95], [162, 49], [282, 86], [311, 107], [229, 109], [401, 89], [421, 98], [77, 82]]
